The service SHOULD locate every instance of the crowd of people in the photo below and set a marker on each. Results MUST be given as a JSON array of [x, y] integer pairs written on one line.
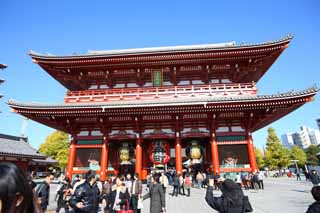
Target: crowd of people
[[18, 192]]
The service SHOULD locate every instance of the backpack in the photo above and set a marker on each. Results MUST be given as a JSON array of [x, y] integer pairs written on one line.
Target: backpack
[[187, 181]]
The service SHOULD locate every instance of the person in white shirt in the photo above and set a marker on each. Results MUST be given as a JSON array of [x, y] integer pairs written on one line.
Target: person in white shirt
[[164, 181], [260, 178]]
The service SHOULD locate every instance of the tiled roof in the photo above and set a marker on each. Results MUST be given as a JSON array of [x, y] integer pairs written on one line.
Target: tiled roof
[[17, 147], [48, 160], [178, 101], [167, 49]]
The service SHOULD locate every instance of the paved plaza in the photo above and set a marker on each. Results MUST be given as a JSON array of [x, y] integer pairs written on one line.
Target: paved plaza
[[279, 195]]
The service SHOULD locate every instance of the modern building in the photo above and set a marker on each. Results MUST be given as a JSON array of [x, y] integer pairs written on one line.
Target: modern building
[[287, 140], [303, 138], [17, 150], [318, 123], [135, 110]]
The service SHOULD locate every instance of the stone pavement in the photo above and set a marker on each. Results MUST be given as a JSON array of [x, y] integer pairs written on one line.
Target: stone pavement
[[279, 195]]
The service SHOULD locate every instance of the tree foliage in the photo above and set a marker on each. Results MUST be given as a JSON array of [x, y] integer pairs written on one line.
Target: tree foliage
[[298, 154], [311, 153], [56, 146], [276, 155], [259, 158]]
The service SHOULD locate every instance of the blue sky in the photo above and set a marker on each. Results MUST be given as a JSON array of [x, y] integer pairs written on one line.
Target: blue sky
[[66, 27]]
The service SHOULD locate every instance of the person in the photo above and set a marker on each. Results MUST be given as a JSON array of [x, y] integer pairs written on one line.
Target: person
[[232, 199], [255, 182], [181, 186], [43, 192], [187, 183], [306, 174], [298, 175], [314, 178], [199, 179], [315, 207], [128, 182], [64, 194], [260, 179], [106, 190], [119, 197], [156, 195], [176, 184], [205, 180], [86, 195], [78, 183], [216, 177], [238, 179], [16, 194], [136, 191], [164, 182], [76, 179]]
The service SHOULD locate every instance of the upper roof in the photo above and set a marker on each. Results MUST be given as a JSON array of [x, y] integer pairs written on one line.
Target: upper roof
[[17, 147], [165, 49], [239, 63]]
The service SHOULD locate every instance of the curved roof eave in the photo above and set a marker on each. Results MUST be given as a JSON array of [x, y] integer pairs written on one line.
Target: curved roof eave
[[168, 102], [161, 50]]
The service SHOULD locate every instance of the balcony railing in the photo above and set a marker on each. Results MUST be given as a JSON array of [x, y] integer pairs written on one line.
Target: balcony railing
[[149, 93]]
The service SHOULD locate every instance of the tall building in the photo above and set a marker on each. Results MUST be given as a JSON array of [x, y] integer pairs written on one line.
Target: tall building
[[318, 123], [126, 109], [303, 138], [287, 140]]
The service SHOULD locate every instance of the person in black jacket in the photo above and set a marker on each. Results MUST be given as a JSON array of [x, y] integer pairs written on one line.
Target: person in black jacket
[[43, 192], [64, 194], [119, 197], [86, 196], [232, 199], [315, 207], [314, 178]]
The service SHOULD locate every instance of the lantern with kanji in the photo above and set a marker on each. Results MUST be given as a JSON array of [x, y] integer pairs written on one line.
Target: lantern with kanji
[[159, 152]]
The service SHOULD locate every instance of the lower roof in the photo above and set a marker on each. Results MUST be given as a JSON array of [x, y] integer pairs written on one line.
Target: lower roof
[[265, 108]]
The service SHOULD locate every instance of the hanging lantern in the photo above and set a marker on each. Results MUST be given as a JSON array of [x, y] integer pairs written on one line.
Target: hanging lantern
[[195, 153], [159, 152], [124, 153]]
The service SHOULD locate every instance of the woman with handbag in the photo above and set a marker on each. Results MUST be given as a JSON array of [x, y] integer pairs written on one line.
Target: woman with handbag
[[156, 195], [119, 198]]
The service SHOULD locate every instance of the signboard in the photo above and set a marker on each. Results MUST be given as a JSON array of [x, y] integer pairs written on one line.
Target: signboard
[[157, 78]]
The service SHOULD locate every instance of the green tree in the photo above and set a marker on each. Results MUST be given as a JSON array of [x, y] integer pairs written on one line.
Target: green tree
[[276, 155], [312, 152], [298, 154], [259, 158], [56, 146]]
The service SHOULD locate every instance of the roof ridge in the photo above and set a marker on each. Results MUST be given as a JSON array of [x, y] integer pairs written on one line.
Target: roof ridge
[[174, 48]]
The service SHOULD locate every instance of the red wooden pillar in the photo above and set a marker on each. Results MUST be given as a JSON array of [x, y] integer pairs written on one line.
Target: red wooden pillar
[[104, 159], [178, 154], [252, 156], [215, 154], [72, 155], [138, 156]]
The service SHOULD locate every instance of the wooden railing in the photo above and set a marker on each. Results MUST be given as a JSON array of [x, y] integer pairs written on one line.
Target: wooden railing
[[149, 93]]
